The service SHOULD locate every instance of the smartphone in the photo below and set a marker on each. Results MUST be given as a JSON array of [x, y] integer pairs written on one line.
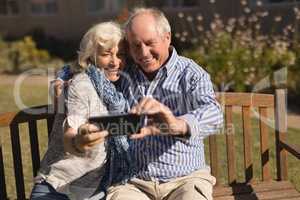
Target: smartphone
[[119, 124]]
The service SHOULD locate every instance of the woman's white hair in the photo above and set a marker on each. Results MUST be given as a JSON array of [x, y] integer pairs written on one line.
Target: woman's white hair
[[102, 36], [162, 23]]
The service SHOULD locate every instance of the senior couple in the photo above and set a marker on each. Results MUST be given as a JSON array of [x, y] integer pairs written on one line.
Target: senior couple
[[157, 163]]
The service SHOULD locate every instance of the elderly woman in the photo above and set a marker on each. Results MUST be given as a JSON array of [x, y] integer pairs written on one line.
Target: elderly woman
[[90, 160]]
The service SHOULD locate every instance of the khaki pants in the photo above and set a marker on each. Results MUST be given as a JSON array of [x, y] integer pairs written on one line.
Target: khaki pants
[[197, 185]]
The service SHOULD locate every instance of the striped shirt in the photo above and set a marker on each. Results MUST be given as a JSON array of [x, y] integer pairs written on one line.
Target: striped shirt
[[187, 90]]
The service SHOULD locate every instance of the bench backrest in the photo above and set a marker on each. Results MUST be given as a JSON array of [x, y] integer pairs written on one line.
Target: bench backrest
[[13, 120], [247, 101], [270, 113]]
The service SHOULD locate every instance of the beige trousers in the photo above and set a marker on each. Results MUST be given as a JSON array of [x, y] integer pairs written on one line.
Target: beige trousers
[[197, 185]]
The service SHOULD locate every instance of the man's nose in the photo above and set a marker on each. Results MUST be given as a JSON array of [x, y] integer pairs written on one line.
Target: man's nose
[[144, 50]]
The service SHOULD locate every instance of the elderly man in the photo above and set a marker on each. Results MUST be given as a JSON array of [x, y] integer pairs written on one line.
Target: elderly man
[[177, 96]]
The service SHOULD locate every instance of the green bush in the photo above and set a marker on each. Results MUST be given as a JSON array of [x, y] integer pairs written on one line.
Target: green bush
[[21, 55]]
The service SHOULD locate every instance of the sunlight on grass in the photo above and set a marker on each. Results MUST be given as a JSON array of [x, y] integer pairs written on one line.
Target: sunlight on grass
[[37, 94], [31, 94]]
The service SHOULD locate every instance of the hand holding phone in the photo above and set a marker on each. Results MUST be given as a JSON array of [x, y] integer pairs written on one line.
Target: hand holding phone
[[119, 124]]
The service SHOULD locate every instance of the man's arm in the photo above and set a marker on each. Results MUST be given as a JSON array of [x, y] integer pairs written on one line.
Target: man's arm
[[204, 115]]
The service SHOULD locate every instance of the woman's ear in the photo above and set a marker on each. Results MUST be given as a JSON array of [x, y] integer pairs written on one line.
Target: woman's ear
[[90, 61]]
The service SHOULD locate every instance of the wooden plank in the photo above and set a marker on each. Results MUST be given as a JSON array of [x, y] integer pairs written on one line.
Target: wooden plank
[[34, 113], [18, 167], [3, 192], [270, 195], [248, 165], [213, 156], [244, 197], [246, 99], [291, 198], [264, 144], [34, 144], [241, 188], [280, 133], [291, 148], [230, 146], [278, 194]]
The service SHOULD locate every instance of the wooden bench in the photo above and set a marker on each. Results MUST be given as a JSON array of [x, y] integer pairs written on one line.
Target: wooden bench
[[267, 187]]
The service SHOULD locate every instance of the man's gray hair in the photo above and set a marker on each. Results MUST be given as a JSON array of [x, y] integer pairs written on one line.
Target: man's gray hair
[[162, 23]]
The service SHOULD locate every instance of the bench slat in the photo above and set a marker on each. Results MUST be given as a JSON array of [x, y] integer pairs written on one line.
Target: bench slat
[[241, 188], [248, 165], [246, 99], [291, 148], [17, 157], [264, 144], [270, 195], [291, 198], [280, 134], [3, 192], [213, 154], [230, 146], [34, 145], [34, 113]]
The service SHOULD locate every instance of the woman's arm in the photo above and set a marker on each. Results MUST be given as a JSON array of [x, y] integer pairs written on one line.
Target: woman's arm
[[79, 137]]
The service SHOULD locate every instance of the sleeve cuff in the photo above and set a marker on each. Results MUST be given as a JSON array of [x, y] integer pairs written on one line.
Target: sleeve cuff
[[192, 123]]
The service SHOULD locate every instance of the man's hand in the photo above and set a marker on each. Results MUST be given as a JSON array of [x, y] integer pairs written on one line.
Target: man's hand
[[88, 136], [58, 87], [160, 119]]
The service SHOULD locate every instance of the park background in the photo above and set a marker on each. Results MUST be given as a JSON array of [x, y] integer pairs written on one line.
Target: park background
[[246, 46]]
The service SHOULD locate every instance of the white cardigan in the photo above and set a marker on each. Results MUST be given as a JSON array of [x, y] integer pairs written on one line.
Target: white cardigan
[[64, 171]]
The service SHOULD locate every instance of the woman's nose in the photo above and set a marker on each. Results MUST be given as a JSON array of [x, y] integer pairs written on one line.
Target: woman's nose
[[115, 60]]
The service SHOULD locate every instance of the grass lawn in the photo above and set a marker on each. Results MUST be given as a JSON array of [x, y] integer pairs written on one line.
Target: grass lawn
[[32, 92], [35, 93]]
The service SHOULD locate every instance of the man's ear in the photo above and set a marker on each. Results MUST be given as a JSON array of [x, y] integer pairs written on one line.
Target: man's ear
[[168, 37]]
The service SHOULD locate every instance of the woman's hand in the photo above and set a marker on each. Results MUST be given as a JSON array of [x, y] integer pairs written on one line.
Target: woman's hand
[[85, 139], [88, 136]]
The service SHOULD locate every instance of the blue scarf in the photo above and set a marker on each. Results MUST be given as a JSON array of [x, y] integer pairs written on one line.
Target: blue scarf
[[120, 167]]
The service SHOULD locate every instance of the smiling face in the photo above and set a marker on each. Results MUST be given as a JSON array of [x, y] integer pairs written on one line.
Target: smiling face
[[148, 47], [112, 61]]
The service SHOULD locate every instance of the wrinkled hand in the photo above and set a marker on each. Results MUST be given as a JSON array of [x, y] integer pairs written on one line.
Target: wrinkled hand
[[88, 136], [59, 86], [160, 119]]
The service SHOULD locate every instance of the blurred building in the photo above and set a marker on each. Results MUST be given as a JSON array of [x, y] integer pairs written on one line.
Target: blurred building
[[69, 19]]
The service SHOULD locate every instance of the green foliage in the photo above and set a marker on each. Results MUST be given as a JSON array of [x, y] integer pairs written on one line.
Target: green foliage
[[20, 55], [239, 59], [294, 75]]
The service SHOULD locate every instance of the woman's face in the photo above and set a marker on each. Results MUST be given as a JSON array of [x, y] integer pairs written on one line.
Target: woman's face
[[112, 61]]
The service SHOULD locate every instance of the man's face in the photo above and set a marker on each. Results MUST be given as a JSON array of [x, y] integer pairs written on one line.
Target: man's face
[[148, 48]]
